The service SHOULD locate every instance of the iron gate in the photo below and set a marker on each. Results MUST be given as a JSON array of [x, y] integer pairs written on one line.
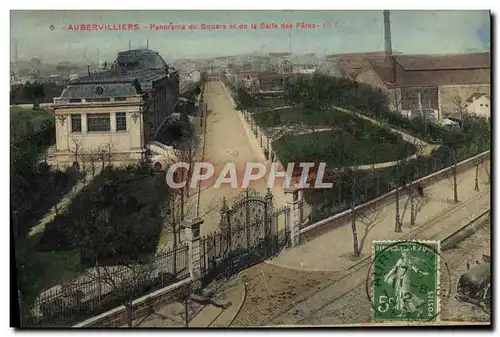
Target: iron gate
[[249, 233]]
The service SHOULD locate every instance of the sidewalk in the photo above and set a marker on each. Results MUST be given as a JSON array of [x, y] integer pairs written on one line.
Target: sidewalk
[[225, 305], [333, 250]]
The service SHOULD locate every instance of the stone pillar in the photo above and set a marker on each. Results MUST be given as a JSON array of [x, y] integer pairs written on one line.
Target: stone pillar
[[192, 234], [295, 224], [296, 217], [84, 123], [300, 199], [112, 116]]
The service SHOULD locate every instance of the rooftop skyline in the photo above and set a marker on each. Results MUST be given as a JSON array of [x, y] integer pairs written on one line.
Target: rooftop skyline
[[413, 32]]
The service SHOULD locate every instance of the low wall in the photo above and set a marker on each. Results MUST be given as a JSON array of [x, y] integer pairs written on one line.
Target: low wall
[[141, 306], [458, 236], [344, 218]]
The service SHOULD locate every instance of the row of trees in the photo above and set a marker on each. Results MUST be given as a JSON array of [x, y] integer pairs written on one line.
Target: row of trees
[[34, 185], [353, 187]]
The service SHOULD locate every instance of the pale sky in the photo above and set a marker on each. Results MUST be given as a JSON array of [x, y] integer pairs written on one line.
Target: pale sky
[[413, 32]]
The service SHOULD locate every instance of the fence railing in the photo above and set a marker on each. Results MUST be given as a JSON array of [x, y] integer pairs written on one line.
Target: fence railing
[[103, 288]]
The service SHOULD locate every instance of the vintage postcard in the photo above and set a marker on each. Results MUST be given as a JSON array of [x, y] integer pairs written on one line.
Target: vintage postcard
[[274, 168]]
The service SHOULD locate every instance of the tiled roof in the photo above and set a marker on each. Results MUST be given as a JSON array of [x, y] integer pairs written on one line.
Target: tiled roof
[[422, 70], [442, 77], [91, 90], [445, 62], [143, 65], [477, 95]]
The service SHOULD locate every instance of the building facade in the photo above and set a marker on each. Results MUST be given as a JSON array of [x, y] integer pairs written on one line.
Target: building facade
[[115, 113], [479, 104]]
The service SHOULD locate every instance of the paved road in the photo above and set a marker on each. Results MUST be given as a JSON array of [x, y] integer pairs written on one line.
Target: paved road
[[227, 140]]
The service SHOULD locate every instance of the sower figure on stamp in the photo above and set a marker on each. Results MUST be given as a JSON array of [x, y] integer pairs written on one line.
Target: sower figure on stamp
[[400, 279]]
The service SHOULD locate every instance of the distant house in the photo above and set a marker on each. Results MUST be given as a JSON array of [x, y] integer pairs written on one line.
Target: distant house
[[479, 104]]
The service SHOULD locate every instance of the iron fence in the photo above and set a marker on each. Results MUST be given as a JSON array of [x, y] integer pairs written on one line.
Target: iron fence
[[224, 253], [103, 288], [321, 204]]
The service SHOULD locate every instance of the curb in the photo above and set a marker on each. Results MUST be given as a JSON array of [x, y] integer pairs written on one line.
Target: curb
[[240, 305], [417, 230]]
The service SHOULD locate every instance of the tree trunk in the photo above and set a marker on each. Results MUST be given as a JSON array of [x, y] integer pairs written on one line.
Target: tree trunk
[[354, 231], [476, 186], [455, 184], [412, 203], [397, 227], [454, 170], [353, 219], [130, 313]]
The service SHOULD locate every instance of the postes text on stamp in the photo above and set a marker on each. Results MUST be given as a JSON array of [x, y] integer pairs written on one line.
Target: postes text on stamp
[[405, 281]]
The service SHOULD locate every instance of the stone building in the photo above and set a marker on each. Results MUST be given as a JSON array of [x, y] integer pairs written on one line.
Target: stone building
[[117, 112], [423, 82], [416, 84]]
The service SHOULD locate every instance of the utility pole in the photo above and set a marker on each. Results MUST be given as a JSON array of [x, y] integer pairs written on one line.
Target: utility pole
[[129, 44], [147, 43]]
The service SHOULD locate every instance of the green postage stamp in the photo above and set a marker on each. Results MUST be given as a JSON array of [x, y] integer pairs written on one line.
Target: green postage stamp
[[405, 278]]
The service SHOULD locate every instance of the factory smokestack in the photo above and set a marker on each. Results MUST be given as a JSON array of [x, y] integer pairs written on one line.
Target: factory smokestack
[[389, 57], [387, 34]]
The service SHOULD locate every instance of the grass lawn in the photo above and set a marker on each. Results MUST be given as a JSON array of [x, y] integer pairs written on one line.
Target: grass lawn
[[352, 140], [339, 148], [43, 270], [268, 103], [19, 115], [319, 118]]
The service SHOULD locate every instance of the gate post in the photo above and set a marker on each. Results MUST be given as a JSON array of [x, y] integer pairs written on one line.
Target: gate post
[[192, 234], [296, 218], [268, 220]]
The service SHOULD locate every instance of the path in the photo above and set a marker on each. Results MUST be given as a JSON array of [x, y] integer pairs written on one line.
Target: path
[[61, 204]]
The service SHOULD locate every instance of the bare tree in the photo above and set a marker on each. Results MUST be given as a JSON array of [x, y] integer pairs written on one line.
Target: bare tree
[[396, 99], [105, 154], [460, 107], [414, 174], [487, 169], [76, 150], [93, 157], [369, 218], [476, 180], [353, 175]]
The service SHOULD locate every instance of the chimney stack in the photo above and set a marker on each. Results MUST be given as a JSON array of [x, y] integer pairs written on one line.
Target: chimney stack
[[389, 57], [387, 34]]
